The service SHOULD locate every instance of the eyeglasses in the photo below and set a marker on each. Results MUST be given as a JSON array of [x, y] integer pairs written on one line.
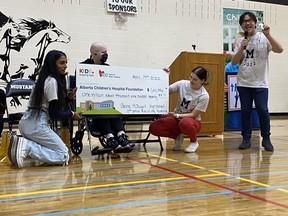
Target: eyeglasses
[[247, 21]]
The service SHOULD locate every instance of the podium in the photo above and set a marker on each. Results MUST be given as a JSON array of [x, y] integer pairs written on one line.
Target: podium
[[213, 119]]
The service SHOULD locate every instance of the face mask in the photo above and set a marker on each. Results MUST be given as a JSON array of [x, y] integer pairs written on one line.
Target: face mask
[[104, 58]]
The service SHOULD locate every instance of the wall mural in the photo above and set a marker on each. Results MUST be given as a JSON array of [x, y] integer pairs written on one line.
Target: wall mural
[[15, 36]]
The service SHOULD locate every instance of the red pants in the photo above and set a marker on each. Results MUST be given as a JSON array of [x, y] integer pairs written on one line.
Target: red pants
[[171, 127]]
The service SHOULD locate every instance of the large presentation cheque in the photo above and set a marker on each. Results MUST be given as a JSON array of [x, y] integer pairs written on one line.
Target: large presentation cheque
[[108, 90]]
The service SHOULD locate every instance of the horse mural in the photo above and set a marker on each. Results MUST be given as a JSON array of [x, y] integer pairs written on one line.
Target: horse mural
[[41, 34], [30, 35], [18, 35]]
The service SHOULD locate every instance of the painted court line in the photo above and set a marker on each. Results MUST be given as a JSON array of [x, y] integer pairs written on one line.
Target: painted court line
[[145, 202], [211, 183], [219, 172]]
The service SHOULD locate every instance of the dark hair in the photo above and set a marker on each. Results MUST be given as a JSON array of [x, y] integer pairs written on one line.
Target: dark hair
[[49, 69], [250, 14], [201, 72]]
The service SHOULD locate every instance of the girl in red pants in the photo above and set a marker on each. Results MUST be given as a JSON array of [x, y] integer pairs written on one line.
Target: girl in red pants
[[193, 100]]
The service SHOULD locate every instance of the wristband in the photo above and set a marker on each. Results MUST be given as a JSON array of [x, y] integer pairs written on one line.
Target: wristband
[[177, 116], [72, 113]]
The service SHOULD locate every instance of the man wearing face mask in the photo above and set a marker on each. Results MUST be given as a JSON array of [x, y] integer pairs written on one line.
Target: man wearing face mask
[[112, 128]]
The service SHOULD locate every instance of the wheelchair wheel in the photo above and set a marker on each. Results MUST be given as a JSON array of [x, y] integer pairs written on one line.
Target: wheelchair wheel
[[76, 143], [76, 146]]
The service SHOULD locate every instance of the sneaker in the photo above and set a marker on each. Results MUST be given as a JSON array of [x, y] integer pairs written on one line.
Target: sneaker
[[123, 141], [192, 147], [178, 142], [245, 144], [266, 143], [112, 143], [21, 152], [66, 163], [12, 149]]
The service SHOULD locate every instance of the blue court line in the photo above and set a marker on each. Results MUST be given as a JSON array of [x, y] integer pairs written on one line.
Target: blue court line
[[154, 201], [130, 176], [135, 186], [96, 190], [135, 203], [91, 180]]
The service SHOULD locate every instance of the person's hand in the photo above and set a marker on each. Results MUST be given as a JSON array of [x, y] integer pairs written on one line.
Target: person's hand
[[77, 116], [244, 43], [265, 29], [167, 70], [171, 114], [226, 88], [72, 93]]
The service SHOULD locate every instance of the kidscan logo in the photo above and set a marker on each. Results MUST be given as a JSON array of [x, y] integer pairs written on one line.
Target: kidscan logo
[[86, 72]]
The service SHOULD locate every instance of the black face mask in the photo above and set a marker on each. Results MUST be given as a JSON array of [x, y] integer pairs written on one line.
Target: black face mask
[[104, 58]]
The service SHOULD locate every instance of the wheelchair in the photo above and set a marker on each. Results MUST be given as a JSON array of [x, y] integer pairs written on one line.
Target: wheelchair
[[87, 124]]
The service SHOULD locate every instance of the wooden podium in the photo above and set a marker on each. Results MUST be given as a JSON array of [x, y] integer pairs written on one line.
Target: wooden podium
[[213, 119]]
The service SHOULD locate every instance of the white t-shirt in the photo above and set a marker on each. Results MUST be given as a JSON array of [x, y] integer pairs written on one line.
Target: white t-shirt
[[50, 92], [253, 70], [190, 99]]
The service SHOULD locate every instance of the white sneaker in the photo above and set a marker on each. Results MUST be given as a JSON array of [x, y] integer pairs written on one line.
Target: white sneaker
[[192, 147], [21, 152], [178, 142], [12, 148], [66, 163]]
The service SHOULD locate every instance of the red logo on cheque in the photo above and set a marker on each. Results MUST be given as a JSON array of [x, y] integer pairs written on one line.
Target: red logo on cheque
[[101, 73]]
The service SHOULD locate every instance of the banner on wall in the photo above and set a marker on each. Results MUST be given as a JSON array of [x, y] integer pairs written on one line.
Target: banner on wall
[[108, 90], [122, 6]]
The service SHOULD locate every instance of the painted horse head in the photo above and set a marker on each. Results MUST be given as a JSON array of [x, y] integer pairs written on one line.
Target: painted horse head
[[37, 34]]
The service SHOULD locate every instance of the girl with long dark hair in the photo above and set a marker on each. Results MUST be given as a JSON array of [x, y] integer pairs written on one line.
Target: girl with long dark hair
[[48, 100]]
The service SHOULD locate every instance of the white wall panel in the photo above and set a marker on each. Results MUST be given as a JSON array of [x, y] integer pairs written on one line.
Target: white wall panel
[[153, 37]]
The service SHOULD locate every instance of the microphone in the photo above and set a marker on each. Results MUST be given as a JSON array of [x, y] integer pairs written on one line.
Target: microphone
[[245, 36], [194, 47]]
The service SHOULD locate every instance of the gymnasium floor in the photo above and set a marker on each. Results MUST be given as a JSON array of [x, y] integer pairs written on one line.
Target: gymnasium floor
[[219, 179]]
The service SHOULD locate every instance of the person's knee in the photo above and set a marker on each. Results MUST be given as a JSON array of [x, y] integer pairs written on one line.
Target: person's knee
[[263, 111], [187, 127], [152, 128]]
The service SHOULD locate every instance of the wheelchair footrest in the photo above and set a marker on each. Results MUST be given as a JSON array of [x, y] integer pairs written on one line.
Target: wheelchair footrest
[[123, 150], [98, 151]]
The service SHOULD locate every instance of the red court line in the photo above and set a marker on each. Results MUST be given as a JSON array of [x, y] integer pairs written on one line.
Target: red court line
[[212, 183]]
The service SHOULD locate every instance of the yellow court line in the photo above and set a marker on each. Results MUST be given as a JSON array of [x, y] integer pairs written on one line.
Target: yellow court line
[[218, 172], [101, 186], [283, 190], [253, 182], [91, 187]]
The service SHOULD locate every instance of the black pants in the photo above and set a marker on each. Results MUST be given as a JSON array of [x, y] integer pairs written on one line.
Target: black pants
[[108, 125]]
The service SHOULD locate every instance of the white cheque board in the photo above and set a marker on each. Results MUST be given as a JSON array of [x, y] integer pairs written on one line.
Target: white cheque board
[[103, 90]]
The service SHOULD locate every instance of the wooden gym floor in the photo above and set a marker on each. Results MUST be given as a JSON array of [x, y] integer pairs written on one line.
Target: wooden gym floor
[[219, 180]]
